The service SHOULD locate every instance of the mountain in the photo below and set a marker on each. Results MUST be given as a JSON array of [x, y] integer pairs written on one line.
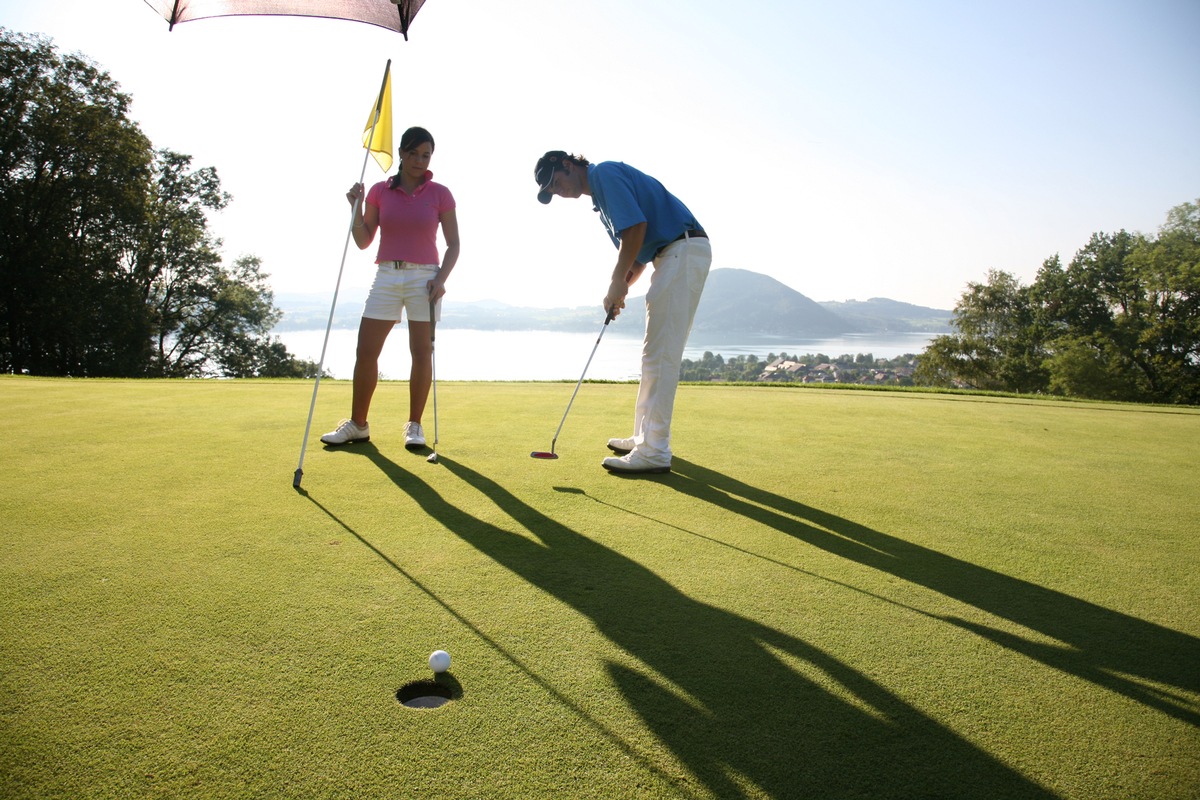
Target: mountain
[[880, 315], [310, 312], [738, 301], [735, 302]]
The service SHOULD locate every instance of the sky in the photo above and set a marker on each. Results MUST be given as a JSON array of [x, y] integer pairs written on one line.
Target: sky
[[869, 148]]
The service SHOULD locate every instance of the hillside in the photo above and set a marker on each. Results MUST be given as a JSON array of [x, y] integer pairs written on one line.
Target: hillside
[[738, 301], [735, 302], [880, 315]]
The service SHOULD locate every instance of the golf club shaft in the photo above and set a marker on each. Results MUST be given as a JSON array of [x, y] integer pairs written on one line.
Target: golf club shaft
[[433, 366], [579, 383]]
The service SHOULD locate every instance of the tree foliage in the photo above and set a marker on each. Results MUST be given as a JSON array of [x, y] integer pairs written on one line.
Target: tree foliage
[[998, 346], [1120, 322], [73, 176], [107, 267]]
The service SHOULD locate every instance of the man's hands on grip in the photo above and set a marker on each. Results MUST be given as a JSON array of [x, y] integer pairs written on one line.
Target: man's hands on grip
[[614, 301]]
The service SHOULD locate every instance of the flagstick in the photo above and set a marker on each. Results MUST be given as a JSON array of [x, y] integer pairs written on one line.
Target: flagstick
[[299, 474]]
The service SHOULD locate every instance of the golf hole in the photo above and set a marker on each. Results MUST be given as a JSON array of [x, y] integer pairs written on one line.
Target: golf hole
[[425, 694]]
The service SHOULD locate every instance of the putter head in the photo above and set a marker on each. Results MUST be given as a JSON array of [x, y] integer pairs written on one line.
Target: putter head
[[542, 454], [432, 458]]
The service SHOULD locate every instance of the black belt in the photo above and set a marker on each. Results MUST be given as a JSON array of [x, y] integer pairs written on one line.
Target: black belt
[[697, 234]]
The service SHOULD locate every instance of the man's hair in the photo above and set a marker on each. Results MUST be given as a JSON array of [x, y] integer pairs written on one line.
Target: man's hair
[[548, 164]]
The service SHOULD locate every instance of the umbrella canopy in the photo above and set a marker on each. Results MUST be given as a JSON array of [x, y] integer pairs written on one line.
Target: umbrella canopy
[[394, 15]]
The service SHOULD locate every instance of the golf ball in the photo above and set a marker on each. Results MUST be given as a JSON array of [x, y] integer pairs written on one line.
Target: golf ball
[[439, 661]]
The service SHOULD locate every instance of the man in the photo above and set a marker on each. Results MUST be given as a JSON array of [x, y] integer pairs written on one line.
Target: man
[[648, 225]]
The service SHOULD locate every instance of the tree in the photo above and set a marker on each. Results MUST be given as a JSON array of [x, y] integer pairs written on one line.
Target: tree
[[1088, 305], [1169, 333], [1120, 322], [73, 173], [222, 327], [998, 345], [177, 267], [107, 267], [1127, 315]]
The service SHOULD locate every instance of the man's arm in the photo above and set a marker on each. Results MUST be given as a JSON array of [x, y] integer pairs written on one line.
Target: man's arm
[[627, 269]]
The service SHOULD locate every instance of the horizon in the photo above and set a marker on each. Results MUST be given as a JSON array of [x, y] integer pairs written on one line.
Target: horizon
[[632, 296]]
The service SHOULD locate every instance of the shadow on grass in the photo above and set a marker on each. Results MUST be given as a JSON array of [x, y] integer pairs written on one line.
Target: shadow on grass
[[406, 480], [751, 553], [746, 708], [1110, 649]]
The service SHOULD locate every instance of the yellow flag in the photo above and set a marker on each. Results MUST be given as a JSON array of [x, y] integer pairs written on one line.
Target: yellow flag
[[380, 144]]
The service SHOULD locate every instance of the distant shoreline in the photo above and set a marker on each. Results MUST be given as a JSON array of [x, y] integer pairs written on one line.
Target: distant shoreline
[[737, 304], [469, 354]]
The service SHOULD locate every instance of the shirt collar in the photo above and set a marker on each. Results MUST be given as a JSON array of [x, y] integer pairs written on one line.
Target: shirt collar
[[425, 181]]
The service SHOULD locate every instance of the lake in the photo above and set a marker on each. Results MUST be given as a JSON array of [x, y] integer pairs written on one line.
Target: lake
[[474, 355]]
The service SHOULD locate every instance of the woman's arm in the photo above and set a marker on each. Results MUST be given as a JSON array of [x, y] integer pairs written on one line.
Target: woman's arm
[[366, 222], [437, 286]]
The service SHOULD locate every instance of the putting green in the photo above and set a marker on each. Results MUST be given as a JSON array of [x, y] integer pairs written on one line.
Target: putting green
[[834, 594]]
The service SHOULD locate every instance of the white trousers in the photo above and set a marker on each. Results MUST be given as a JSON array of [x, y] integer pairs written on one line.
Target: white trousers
[[676, 284]]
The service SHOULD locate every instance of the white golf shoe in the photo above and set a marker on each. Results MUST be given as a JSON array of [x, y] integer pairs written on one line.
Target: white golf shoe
[[347, 433], [621, 446], [414, 436], [634, 463]]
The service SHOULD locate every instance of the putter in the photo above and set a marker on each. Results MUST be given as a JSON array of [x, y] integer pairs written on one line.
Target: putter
[[433, 459], [554, 441]]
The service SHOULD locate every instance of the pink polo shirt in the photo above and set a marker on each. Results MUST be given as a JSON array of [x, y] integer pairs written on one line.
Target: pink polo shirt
[[408, 223]]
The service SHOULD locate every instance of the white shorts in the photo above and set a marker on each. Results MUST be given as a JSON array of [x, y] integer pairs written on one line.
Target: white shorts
[[402, 290]]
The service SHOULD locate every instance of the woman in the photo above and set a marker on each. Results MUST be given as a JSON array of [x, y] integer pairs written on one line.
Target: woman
[[407, 210]]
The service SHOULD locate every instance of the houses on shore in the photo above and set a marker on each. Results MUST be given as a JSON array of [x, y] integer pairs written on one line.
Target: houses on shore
[[880, 372], [811, 368]]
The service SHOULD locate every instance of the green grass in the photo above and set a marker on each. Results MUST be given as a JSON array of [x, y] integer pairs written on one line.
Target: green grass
[[835, 594]]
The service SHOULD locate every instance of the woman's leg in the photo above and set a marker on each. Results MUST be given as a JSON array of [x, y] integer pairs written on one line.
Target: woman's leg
[[372, 333], [420, 346]]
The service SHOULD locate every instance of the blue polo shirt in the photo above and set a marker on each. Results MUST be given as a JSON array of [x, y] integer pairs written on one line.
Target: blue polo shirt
[[625, 196]]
